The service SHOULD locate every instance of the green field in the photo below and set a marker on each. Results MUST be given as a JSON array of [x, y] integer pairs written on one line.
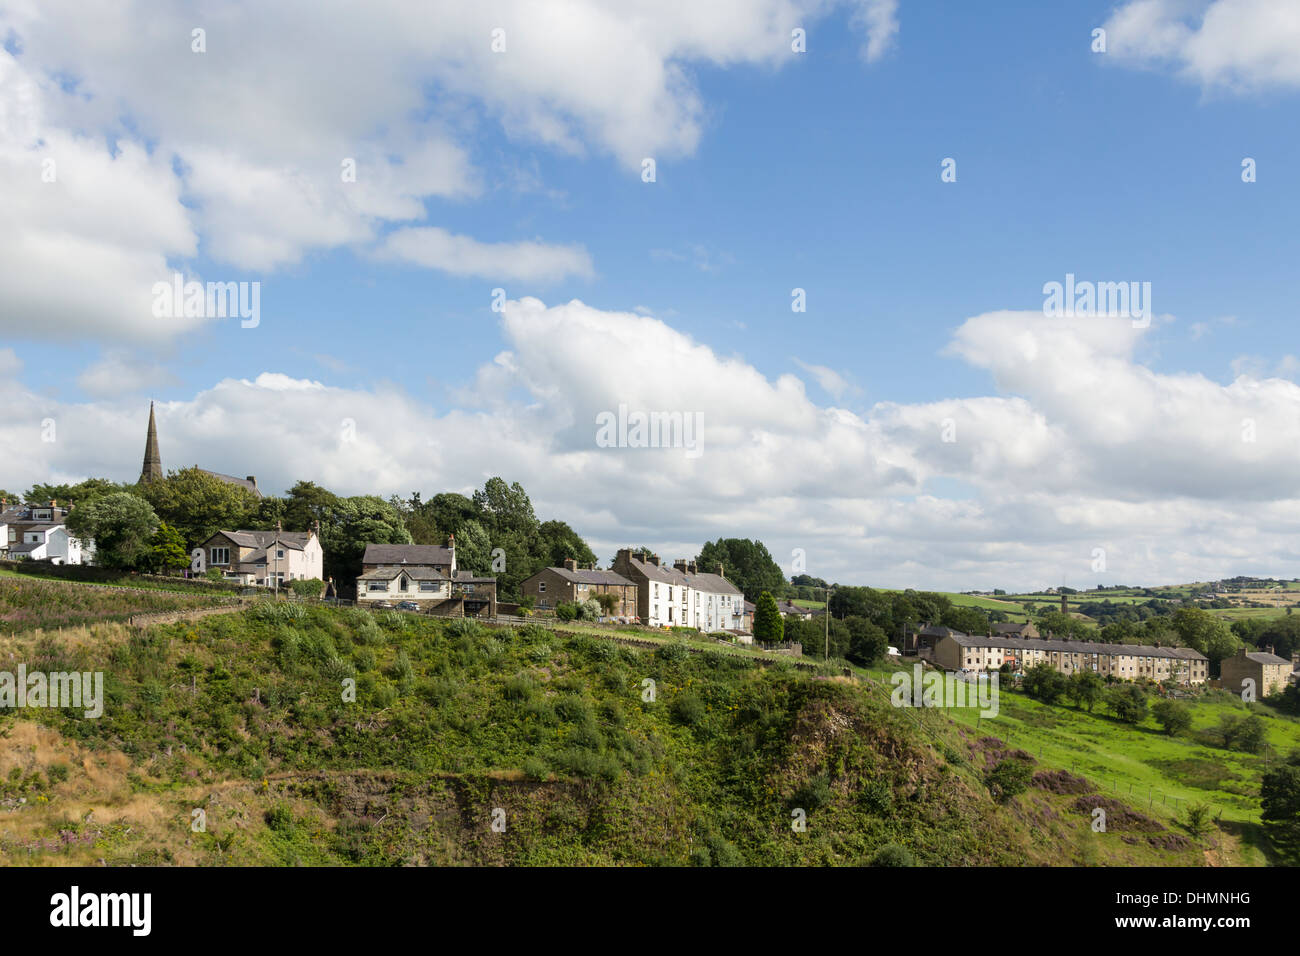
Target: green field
[[1158, 774]]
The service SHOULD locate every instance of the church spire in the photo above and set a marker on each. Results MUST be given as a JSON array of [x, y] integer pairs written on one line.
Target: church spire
[[152, 468]]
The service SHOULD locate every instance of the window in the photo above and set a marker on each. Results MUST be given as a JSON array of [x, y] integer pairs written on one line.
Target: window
[[219, 556], [428, 585], [541, 587], [402, 583], [376, 586], [279, 553]]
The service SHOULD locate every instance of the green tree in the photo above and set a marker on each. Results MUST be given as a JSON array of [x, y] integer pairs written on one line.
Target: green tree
[[769, 628], [81, 493], [354, 523], [167, 549], [746, 564], [1085, 688], [1044, 682], [1200, 630], [1279, 798], [198, 505], [1173, 715], [122, 526], [1128, 702], [308, 503], [473, 549], [868, 644], [557, 541]]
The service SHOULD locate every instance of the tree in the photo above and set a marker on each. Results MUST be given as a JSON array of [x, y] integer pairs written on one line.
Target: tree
[[1128, 702], [306, 504], [746, 564], [769, 628], [1200, 630], [350, 526], [167, 549], [506, 508], [1044, 682], [1085, 688], [1279, 798], [1174, 716], [81, 493], [198, 504], [121, 525], [867, 642], [473, 549], [607, 601], [557, 541]]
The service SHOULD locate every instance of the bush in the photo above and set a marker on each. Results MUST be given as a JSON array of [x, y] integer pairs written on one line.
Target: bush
[[1008, 778], [1128, 702], [1174, 716], [464, 627], [307, 587], [814, 793], [891, 854], [688, 709], [566, 612]]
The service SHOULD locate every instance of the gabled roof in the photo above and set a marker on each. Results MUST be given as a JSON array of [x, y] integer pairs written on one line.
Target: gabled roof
[[592, 576], [295, 540], [406, 554], [1264, 657], [249, 486], [713, 583]]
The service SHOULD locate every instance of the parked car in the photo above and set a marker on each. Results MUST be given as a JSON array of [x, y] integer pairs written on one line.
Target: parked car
[[407, 606], [381, 604]]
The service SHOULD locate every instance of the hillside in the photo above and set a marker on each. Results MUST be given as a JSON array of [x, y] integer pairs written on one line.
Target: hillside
[[241, 715]]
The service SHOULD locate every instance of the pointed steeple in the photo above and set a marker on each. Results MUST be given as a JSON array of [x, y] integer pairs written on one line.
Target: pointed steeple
[[152, 468]]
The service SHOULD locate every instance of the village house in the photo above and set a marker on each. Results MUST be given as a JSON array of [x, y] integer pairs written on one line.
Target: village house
[[790, 609], [573, 585], [956, 651], [682, 595], [39, 533], [1269, 672], [426, 575], [265, 558]]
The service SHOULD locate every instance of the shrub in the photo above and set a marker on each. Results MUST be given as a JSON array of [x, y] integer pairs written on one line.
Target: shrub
[[307, 587], [891, 854], [814, 793], [1174, 716], [876, 796], [1008, 778], [464, 627], [688, 709], [535, 768], [566, 612]]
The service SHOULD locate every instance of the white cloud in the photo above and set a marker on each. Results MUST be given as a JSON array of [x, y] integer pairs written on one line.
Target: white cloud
[[238, 151], [534, 261], [119, 373], [831, 381], [1081, 447], [1238, 45]]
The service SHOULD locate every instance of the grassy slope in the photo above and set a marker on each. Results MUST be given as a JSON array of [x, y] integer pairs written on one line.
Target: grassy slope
[[1158, 774], [28, 602], [241, 715]]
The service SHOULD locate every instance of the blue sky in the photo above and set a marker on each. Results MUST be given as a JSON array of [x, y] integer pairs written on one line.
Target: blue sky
[[774, 171]]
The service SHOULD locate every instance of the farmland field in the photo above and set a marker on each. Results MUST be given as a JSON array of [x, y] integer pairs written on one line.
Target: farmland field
[[28, 603]]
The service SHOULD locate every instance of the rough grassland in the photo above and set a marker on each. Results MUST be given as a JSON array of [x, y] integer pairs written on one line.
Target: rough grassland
[[243, 717]]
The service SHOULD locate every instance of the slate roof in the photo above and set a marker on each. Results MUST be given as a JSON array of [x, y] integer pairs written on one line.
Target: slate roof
[[713, 583], [406, 554], [295, 540], [666, 574], [592, 576], [1263, 657], [249, 486]]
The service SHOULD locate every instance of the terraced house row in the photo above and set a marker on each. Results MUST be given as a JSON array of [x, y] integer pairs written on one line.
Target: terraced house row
[[956, 651]]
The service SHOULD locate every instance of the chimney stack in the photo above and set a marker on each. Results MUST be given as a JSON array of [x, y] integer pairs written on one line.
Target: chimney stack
[[570, 564], [680, 565], [654, 559]]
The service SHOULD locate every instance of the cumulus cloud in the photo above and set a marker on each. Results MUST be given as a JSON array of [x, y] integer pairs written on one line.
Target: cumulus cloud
[[1079, 446], [119, 372], [245, 151], [1238, 45]]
